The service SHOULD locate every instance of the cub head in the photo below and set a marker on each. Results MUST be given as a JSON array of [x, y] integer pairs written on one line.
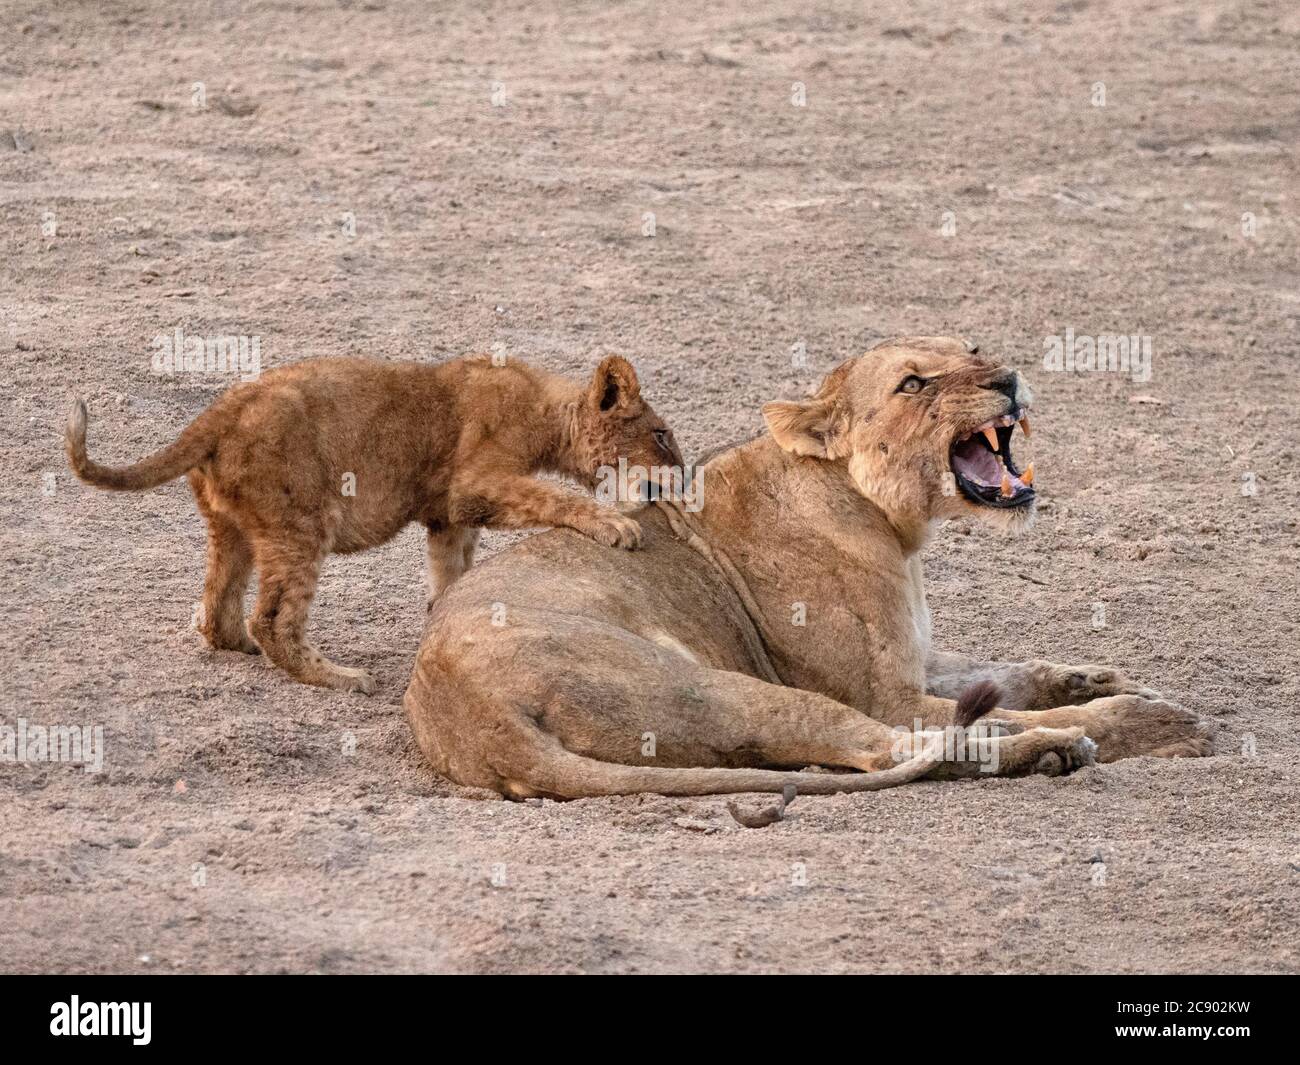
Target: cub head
[[924, 427], [613, 422]]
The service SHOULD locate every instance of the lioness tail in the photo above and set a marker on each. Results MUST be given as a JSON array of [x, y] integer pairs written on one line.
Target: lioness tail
[[574, 776], [975, 701]]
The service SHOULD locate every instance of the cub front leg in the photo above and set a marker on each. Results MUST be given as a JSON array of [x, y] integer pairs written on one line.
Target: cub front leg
[[450, 554], [1033, 685], [515, 501]]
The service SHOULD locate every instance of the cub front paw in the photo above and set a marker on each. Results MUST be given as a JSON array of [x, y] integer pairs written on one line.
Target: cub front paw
[[616, 530]]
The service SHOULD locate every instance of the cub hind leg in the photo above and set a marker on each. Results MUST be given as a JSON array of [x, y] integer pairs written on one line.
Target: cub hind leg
[[287, 575], [230, 564]]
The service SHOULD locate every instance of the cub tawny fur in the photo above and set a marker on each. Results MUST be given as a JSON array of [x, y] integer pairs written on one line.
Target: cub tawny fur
[[338, 455]]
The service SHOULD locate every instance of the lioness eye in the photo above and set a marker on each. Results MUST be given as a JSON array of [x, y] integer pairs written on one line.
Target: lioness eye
[[912, 385]]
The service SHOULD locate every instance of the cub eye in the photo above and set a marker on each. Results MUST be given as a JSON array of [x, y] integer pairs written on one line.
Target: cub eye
[[911, 385], [664, 442]]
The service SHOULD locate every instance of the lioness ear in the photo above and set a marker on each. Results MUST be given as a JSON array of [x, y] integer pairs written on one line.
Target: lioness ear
[[799, 428], [614, 385]]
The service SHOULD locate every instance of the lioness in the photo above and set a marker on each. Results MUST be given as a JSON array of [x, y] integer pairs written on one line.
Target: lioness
[[679, 669], [338, 455]]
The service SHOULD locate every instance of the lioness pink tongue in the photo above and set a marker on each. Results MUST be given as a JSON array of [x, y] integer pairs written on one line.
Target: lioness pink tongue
[[977, 463]]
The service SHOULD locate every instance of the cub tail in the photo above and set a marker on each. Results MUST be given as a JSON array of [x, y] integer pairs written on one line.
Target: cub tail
[[187, 451]]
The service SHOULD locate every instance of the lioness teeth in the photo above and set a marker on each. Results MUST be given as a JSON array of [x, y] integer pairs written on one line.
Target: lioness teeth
[[1024, 425], [1028, 476], [991, 435], [1006, 485]]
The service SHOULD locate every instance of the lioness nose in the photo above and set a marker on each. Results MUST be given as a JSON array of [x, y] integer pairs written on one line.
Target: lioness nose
[[1006, 384]]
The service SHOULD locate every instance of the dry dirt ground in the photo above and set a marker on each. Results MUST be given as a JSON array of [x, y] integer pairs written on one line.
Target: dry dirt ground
[[411, 181]]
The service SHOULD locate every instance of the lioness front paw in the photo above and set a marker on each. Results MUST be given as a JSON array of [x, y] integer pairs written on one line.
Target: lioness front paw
[[1126, 726], [616, 530], [1070, 685]]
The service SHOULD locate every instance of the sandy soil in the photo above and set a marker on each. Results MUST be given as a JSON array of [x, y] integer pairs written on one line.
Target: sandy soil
[[245, 823]]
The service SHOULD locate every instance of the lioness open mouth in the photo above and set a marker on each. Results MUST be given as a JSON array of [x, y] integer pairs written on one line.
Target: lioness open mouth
[[984, 469]]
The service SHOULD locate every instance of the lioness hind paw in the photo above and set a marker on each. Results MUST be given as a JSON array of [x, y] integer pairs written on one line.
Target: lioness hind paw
[[1082, 684], [1080, 753], [1066, 759]]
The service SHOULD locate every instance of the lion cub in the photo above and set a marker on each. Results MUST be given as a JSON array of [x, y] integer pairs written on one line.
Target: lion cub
[[339, 454]]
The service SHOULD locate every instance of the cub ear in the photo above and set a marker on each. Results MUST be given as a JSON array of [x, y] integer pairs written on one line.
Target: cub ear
[[800, 428], [614, 385]]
